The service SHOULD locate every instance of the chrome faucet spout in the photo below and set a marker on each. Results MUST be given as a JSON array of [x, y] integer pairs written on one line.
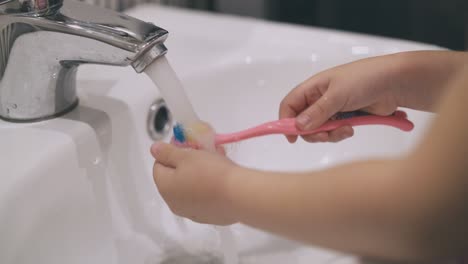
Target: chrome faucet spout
[[42, 42]]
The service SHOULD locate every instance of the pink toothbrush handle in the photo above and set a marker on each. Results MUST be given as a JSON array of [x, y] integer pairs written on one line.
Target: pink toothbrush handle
[[287, 126]]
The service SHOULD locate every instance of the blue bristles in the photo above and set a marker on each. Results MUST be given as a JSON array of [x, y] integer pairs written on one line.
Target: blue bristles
[[179, 133]]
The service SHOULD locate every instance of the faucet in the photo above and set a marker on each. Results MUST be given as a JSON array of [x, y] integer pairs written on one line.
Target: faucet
[[42, 43]]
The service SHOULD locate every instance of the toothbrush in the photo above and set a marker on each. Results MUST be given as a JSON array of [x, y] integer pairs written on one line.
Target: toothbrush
[[287, 126]]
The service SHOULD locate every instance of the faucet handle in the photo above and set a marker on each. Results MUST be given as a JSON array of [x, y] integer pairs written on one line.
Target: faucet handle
[[36, 7]]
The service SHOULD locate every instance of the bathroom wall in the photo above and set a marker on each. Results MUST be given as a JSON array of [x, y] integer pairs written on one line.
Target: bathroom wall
[[255, 8], [125, 4], [444, 23]]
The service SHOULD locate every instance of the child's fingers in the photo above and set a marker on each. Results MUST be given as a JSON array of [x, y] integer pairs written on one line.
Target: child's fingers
[[167, 154], [292, 104], [163, 177], [332, 136], [291, 139], [314, 138], [379, 109], [320, 111], [220, 150], [300, 98], [288, 109], [340, 134]]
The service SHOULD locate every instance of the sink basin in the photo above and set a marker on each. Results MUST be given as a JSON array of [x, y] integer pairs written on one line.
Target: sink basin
[[79, 189], [241, 96]]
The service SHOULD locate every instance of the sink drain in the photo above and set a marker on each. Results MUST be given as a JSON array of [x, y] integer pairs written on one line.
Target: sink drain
[[159, 120]]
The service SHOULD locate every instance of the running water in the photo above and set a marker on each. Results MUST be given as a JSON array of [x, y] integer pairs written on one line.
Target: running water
[[162, 74], [164, 77]]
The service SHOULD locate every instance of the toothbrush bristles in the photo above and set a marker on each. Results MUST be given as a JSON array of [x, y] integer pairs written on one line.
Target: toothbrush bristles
[[179, 133]]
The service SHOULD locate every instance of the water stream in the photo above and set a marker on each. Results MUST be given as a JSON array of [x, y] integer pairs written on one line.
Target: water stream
[[171, 89]]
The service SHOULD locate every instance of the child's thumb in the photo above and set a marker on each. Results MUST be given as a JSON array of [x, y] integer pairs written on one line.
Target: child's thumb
[[167, 154], [318, 113]]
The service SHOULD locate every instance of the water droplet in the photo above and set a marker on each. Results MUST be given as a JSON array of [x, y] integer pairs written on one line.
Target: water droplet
[[314, 57], [97, 160], [360, 50], [8, 111], [14, 106], [325, 160]]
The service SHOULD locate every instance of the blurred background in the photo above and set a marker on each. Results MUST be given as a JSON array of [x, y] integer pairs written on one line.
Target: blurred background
[[440, 22]]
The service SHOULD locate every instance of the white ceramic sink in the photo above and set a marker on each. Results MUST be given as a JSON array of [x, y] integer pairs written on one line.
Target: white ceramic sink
[[78, 189]]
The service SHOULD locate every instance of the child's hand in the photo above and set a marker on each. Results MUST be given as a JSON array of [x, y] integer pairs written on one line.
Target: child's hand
[[365, 84], [194, 183]]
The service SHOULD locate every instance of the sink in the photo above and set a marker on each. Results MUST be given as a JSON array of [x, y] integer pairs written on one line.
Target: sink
[[79, 189]]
